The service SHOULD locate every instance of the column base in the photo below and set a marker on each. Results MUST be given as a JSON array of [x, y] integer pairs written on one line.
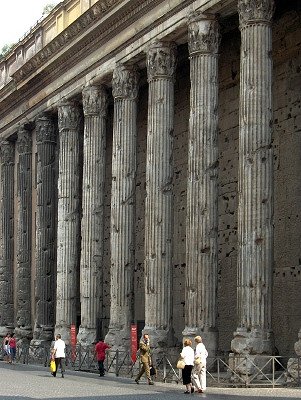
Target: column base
[[4, 330], [64, 331], [209, 337], [23, 333], [42, 335], [118, 338], [86, 336], [293, 364], [160, 338], [251, 347]]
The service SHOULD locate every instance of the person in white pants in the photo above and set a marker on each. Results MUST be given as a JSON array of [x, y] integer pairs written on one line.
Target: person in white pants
[[199, 370]]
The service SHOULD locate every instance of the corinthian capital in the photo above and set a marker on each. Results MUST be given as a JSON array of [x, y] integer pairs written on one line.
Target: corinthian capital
[[203, 34], [251, 11], [161, 60], [68, 116], [95, 100], [24, 141], [125, 82], [7, 152], [45, 130]]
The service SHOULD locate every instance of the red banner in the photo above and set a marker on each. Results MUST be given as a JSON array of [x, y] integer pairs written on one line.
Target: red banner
[[73, 340], [134, 342]]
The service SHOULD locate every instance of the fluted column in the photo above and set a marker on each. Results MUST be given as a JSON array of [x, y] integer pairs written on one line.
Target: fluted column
[[161, 64], [255, 186], [24, 226], [125, 90], [91, 266], [7, 162], [202, 194], [68, 229], [46, 208]]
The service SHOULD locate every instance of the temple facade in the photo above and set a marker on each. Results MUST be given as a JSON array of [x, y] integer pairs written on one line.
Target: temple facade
[[150, 164]]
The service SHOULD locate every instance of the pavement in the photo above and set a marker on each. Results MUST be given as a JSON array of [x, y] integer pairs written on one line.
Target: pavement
[[28, 382]]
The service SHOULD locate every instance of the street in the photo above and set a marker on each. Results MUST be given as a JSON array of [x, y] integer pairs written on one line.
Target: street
[[20, 382]]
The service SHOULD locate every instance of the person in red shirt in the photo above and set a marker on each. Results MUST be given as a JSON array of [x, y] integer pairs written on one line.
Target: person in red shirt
[[100, 350], [13, 346]]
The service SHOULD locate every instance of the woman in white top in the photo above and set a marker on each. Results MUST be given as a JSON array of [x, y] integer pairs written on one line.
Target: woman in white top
[[199, 370], [188, 357]]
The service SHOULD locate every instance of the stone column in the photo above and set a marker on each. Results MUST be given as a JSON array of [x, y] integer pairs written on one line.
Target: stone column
[[202, 192], [255, 186], [69, 213], [24, 226], [125, 91], [46, 208], [95, 111], [7, 162], [161, 64]]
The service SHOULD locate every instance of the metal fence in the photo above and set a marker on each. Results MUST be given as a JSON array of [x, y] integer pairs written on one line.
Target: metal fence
[[240, 371]]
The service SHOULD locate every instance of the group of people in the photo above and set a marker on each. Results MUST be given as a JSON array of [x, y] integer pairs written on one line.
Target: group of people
[[9, 348], [194, 371]]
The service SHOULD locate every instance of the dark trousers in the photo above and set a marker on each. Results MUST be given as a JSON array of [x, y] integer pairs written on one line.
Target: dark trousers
[[101, 367], [59, 361]]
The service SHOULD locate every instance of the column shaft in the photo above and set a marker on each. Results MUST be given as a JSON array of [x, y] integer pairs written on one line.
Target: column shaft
[[24, 226], [91, 268], [159, 200], [255, 209], [45, 229], [125, 89], [68, 229], [202, 193], [7, 161]]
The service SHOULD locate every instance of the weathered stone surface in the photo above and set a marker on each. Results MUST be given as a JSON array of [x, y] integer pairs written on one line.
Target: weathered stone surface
[[255, 208], [46, 207], [161, 64], [91, 266], [68, 224], [202, 193], [7, 162], [125, 91], [24, 232]]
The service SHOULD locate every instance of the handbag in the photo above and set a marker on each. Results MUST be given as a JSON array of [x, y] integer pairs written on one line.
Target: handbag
[[181, 363], [52, 366], [197, 360], [152, 370]]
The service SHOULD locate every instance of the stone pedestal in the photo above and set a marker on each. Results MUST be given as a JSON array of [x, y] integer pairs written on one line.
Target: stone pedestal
[[255, 208], [125, 90], [7, 162], [45, 230], [202, 192], [68, 225], [161, 64], [91, 267]]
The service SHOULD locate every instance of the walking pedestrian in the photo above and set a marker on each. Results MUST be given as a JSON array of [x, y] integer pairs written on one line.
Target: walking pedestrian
[[6, 348], [13, 348], [145, 359], [100, 350], [199, 369], [58, 354], [187, 355]]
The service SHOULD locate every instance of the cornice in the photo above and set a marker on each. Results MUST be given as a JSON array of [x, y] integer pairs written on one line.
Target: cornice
[[93, 14]]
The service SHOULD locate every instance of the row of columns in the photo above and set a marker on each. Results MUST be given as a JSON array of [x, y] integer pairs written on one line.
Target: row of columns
[[255, 212]]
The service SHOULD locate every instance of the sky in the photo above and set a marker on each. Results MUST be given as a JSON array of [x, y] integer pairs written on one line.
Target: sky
[[18, 16]]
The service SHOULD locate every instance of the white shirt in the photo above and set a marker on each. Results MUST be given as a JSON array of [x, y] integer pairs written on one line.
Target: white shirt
[[59, 347], [200, 351], [188, 355]]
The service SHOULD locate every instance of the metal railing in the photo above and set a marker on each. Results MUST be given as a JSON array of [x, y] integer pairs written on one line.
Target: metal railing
[[242, 371]]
